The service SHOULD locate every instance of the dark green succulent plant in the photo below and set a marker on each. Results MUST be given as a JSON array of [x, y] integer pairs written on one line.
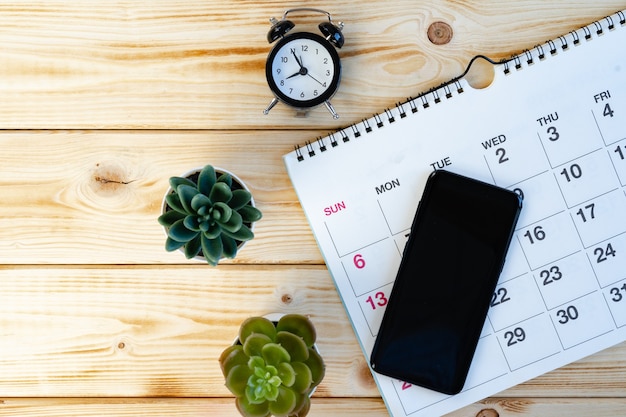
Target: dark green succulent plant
[[208, 216], [274, 368]]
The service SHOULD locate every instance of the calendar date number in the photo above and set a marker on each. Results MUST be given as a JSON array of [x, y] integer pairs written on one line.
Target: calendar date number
[[378, 300], [551, 275], [602, 253], [567, 314], [515, 336], [500, 296], [618, 293]]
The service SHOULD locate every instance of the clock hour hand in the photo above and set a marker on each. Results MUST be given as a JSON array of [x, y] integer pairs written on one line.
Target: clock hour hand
[[301, 71]]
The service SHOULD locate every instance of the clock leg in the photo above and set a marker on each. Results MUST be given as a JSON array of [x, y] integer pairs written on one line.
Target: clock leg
[[271, 105], [331, 109]]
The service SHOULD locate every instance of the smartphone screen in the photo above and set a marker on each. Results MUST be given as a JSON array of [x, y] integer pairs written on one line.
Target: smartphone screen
[[449, 269]]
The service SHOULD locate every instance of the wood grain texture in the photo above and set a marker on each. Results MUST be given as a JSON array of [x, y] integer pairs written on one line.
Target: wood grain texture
[[94, 197], [200, 65], [322, 407], [152, 332], [166, 407]]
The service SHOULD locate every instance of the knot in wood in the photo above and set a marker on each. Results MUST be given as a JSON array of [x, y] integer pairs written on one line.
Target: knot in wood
[[286, 298], [487, 412], [440, 33]]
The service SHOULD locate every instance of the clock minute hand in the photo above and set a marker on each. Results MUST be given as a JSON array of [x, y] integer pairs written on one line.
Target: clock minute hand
[[316, 80], [297, 59]]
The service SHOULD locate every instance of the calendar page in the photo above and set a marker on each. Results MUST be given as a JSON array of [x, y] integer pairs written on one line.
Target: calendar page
[[552, 127]]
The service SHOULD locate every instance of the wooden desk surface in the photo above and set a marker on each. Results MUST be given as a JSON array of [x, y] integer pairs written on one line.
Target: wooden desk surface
[[101, 102]]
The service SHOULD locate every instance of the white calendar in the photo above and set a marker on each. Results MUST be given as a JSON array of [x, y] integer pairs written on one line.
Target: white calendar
[[551, 126]]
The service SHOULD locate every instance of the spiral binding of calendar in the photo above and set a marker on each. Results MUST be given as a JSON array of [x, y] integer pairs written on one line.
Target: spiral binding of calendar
[[447, 90]]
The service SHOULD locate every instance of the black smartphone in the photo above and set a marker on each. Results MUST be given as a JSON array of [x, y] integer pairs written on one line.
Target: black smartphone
[[449, 269]]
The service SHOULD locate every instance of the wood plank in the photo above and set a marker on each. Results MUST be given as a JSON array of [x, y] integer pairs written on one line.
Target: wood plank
[[167, 407], [151, 332], [79, 197], [158, 331], [516, 407], [197, 64], [344, 407]]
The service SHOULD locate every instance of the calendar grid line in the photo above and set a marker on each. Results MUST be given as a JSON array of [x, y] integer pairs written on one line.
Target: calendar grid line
[[529, 178], [590, 339], [577, 158], [384, 217], [540, 220], [595, 119], [611, 310], [556, 260], [518, 322], [604, 240], [573, 300], [615, 168]]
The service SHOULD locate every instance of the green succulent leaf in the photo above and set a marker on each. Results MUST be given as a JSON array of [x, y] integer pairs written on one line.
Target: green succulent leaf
[[253, 346], [240, 199], [259, 391], [285, 402], [316, 364], [170, 217], [227, 179], [294, 344], [304, 377], [223, 214], [243, 234], [186, 193], [250, 214], [214, 230], [231, 356], [300, 325], [206, 179], [192, 248], [220, 193], [191, 223], [255, 362], [286, 373], [303, 406], [237, 379], [247, 409], [173, 200], [230, 246], [234, 222], [199, 201], [180, 233], [273, 353], [172, 245], [176, 181], [256, 325], [264, 382], [211, 249]]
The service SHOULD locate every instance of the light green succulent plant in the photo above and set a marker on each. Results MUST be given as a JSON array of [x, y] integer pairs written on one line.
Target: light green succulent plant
[[274, 368], [210, 216]]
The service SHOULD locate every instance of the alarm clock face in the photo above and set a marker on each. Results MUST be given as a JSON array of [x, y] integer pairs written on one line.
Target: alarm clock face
[[303, 70]]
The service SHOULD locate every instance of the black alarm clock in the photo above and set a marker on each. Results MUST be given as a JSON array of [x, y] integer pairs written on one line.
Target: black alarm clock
[[303, 69]]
